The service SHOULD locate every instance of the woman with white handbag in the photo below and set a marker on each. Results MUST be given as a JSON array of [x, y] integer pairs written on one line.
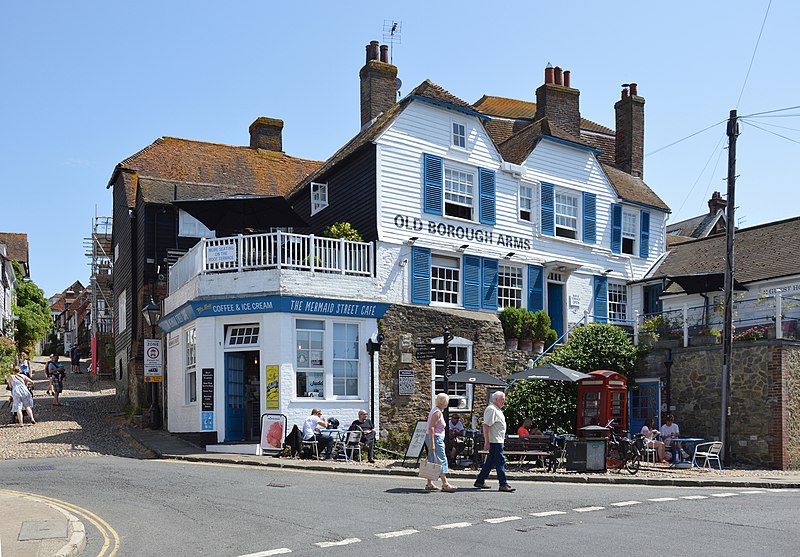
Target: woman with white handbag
[[437, 459]]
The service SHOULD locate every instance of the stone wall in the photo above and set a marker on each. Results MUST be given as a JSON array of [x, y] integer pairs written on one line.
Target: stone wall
[[419, 325]]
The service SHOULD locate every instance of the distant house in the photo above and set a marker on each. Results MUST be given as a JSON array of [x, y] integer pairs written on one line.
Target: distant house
[[60, 306], [713, 222], [17, 250], [149, 233], [8, 286]]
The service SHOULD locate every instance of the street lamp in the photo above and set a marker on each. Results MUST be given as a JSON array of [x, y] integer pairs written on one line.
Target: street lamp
[[152, 313], [372, 347]]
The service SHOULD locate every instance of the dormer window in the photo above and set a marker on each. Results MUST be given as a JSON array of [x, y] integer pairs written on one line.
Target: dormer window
[[459, 135], [319, 197]]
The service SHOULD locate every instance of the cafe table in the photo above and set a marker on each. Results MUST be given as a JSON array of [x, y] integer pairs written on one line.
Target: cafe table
[[339, 438], [688, 444]]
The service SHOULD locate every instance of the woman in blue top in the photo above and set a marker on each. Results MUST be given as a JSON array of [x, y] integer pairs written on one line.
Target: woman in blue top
[[25, 366]]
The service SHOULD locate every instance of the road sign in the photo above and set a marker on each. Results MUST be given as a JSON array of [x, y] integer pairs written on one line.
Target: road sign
[[153, 372], [426, 353]]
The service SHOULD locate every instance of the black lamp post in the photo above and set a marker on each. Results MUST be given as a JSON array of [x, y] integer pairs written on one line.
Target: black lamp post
[[372, 347], [152, 313]]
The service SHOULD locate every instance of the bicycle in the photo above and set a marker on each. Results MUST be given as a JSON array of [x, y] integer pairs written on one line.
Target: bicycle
[[624, 452]]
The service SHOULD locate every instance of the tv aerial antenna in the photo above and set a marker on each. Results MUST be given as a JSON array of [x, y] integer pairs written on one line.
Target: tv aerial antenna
[[391, 35]]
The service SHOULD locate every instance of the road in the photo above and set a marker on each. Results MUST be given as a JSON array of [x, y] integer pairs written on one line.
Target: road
[[177, 508]]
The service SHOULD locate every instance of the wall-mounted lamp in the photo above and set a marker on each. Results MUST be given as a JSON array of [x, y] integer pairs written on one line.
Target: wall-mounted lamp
[[462, 248], [411, 240], [607, 271], [509, 255], [561, 269]]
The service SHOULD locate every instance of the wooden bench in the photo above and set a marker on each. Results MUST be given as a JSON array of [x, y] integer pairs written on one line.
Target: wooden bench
[[537, 447]]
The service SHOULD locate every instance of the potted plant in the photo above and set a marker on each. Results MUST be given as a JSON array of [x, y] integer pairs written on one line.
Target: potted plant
[[526, 330], [541, 330], [511, 320]]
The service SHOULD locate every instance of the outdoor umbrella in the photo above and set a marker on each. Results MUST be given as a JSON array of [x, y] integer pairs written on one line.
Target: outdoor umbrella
[[477, 377], [235, 213], [548, 372]]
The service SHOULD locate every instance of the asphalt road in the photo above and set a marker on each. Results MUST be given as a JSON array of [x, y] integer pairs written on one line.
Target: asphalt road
[[178, 508]]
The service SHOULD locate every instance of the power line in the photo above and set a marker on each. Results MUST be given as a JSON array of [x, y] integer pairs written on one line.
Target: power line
[[773, 133], [752, 58], [780, 127], [685, 138], [685, 199], [772, 112]]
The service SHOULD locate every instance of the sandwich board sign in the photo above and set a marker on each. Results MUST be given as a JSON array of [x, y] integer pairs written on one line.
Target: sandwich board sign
[[417, 441]]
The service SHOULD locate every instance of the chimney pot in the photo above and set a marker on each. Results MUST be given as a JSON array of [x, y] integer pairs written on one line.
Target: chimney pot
[[385, 53], [629, 133], [378, 83], [548, 74], [624, 94], [633, 89], [372, 50], [566, 78], [557, 72]]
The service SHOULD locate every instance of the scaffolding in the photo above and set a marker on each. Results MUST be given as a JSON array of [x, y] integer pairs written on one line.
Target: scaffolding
[[99, 251]]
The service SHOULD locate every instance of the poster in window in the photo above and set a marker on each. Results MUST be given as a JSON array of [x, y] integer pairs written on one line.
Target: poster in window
[[315, 384], [273, 383]]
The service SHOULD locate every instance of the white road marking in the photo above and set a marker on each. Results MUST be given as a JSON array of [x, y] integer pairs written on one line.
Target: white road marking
[[346, 541], [723, 495], [693, 497], [502, 519], [588, 509], [280, 551], [396, 534], [662, 499], [548, 513], [626, 503], [453, 525], [751, 492]]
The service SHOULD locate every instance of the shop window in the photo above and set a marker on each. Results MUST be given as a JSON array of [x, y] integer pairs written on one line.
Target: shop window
[[191, 365], [310, 364], [345, 359]]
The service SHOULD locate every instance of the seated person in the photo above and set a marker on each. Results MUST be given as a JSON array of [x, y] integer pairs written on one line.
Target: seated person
[[364, 424], [311, 430], [670, 430], [536, 431], [650, 435], [455, 430], [524, 429]]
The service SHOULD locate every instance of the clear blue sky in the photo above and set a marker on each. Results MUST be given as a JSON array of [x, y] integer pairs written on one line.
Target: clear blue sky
[[87, 84]]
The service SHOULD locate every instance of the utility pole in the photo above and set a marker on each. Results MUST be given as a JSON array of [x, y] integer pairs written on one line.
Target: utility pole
[[727, 330]]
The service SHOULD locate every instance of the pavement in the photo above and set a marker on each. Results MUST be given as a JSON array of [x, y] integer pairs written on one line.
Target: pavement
[[90, 424]]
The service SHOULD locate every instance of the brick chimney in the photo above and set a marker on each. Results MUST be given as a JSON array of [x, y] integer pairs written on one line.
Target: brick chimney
[[559, 102], [629, 142], [378, 83], [267, 133], [716, 203]]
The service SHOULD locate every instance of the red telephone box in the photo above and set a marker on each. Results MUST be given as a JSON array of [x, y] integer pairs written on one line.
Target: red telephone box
[[601, 398]]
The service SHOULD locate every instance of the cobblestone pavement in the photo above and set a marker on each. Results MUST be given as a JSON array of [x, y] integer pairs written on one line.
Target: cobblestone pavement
[[88, 423]]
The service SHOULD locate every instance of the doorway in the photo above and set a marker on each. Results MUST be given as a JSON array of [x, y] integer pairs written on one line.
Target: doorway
[[242, 397], [645, 403], [555, 306]]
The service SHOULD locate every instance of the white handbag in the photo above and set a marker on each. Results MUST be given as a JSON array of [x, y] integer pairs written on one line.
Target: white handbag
[[429, 470]]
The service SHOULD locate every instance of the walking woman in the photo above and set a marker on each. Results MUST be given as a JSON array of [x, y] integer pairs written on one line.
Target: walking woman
[[21, 396], [25, 366], [436, 451]]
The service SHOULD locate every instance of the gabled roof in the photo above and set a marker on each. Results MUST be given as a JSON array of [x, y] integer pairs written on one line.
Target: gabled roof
[[761, 252], [517, 148], [696, 227], [251, 170], [16, 246], [633, 189], [515, 109]]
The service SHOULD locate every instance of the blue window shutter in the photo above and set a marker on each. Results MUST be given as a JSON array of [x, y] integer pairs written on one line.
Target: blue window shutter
[[486, 187], [489, 283], [589, 218], [600, 299], [644, 234], [420, 275], [472, 281], [616, 228], [548, 210], [433, 172], [535, 287]]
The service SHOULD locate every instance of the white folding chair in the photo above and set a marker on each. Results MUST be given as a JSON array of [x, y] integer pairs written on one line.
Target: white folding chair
[[352, 443], [312, 443], [708, 452], [650, 452]]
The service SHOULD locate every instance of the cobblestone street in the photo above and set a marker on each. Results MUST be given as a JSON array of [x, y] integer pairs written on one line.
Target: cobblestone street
[[88, 424]]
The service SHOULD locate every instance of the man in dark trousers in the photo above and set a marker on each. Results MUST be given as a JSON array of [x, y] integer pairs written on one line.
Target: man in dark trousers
[[494, 434], [368, 438], [75, 359]]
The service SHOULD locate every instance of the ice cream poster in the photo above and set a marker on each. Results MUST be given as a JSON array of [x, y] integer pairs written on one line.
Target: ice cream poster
[[272, 382], [272, 434]]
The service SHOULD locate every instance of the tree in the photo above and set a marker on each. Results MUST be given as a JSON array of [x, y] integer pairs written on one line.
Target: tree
[[344, 230], [552, 404], [33, 311]]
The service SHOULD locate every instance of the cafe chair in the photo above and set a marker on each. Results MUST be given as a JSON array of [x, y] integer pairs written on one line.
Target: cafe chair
[[709, 452], [313, 446], [349, 442], [649, 452]]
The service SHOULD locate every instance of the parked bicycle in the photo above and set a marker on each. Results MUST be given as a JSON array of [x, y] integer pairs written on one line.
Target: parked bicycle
[[624, 452]]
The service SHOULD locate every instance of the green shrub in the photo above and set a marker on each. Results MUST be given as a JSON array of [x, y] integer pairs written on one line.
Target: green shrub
[[343, 230], [8, 356], [511, 320]]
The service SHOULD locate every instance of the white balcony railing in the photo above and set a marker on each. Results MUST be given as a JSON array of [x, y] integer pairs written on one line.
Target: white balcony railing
[[275, 250]]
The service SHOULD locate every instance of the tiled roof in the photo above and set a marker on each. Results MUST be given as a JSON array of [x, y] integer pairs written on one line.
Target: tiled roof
[[517, 148], [16, 245], [432, 91], [761, 252], [156, 190], [251, 170], [695, 227], [631, 188], [512, 108]]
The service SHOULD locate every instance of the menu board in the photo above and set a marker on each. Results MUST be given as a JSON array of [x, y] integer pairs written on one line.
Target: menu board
[[207, 389]]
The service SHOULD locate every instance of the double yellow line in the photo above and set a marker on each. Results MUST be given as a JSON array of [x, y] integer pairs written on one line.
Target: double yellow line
[[110, 536]]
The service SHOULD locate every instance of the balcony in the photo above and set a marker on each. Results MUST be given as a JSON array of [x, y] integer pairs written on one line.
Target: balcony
[[276, 262]]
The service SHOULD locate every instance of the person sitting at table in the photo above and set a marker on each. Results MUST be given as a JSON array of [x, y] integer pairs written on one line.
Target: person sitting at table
[[455, 430], [669, 431], [650, 433], [311, 431], [524, 429], [364, 425]]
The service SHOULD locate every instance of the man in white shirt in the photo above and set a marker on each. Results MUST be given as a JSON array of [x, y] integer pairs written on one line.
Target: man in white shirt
[[670, 430], [311, 431], [494, 434]]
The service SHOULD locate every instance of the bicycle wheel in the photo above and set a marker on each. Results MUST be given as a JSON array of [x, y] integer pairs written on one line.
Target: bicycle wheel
[[633, 460]]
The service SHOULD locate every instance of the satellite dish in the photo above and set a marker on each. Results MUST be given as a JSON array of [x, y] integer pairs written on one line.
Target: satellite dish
[[398, 83]]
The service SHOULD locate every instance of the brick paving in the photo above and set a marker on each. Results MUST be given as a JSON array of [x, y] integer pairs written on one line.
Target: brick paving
[[89, 423]]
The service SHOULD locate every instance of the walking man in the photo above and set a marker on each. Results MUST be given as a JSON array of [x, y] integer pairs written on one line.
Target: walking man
[[494, 433]]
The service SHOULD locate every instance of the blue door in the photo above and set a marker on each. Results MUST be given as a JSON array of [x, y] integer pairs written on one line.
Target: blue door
[[555, 306], [645, 403], [234, 396]]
